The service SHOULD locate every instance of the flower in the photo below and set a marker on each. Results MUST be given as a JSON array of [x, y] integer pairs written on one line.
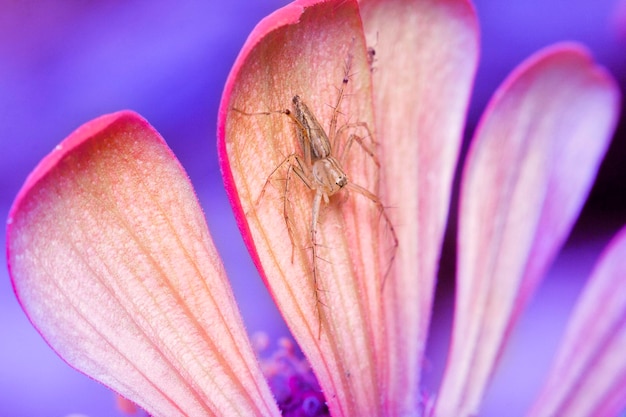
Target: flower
[[112, 260]]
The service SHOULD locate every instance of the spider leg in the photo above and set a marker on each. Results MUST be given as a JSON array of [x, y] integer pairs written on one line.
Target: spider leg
[[358, 139], [381, 208], [294, 164], [302, 173], [317, 201], [287, 160]]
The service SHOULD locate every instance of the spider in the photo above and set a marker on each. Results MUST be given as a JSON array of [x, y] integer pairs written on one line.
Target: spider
[[319, 165]]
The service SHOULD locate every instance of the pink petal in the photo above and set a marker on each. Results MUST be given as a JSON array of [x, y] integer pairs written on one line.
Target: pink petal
[[111, 259], [528, 172], [425, 58], [303, 49], [588, 377]]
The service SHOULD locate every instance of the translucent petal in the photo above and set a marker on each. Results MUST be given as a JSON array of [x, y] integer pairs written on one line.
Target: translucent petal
[[528, 172], [588, 377], [424, 56], [112, 261]]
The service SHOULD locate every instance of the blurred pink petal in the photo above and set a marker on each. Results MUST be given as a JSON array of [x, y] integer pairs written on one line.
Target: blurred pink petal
[[111, 259], [532, 162], [589, 375], [426, 54]]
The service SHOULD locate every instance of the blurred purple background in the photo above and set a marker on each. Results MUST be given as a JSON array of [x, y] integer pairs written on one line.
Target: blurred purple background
[[63, 63]]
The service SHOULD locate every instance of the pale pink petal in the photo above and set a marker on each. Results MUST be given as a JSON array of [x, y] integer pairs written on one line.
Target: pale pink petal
[[425, 58], [588, 377], [303, 49], [112, 261], [528, 172]]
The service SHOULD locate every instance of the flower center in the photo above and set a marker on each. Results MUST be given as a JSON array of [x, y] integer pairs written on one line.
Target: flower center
[[291, 379]]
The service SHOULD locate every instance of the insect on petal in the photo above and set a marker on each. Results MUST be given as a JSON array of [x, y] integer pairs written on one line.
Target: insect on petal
[[111, 259], [307, 49], [528, 172]]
